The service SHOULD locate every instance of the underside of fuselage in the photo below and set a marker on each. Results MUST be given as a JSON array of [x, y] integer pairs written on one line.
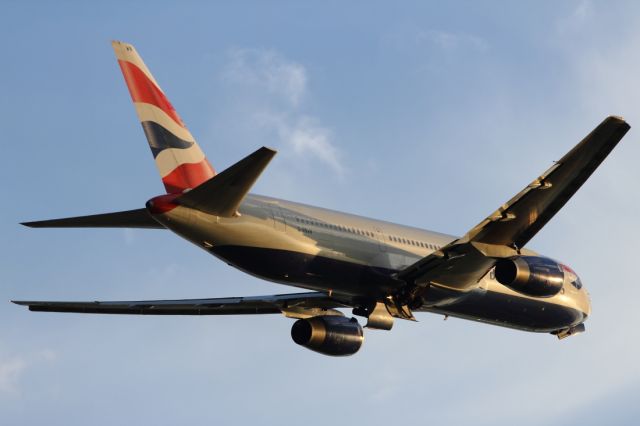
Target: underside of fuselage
[[502, 308]]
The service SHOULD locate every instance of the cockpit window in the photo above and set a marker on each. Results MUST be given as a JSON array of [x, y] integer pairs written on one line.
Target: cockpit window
[[572, 277], [577, 283]]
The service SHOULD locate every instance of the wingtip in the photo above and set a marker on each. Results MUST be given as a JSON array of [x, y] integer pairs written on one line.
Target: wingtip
[[618, 118], [20, 302], [266, 148]]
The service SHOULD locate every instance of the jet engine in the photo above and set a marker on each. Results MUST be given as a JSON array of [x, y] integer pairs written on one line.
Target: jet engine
[[530, 275], [329, 335]]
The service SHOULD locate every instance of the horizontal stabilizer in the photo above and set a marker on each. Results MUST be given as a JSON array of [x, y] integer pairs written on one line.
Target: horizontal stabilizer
[[139, 218], [297, 305], [222, 194]]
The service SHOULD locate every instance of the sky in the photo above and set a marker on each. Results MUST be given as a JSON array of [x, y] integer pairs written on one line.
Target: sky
[[430, 114]]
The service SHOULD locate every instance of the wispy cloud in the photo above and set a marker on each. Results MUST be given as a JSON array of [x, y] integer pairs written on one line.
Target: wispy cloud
[[412, 38], [279, 88], [10, 371], [268, 70], [305, 135], [576, 20], [450, 41], [12, 368]]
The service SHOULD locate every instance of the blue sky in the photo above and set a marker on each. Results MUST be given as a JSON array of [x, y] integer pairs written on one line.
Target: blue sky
[[422, 113]]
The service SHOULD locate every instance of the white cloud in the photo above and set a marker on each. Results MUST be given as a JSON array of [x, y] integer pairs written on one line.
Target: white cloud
[[129, 236], [577, 19], [412, 38], [269, 70], [12, 368], [48, 355], [450, 41], [306, 136], [277, 87], [607, 77], [10, 372]]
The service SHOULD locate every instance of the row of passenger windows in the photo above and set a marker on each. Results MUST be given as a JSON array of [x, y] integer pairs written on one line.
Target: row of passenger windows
[[413, 242], [335, 227], [365, 233]]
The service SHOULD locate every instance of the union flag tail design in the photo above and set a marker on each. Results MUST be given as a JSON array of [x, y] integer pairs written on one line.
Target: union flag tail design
[[180, 161]]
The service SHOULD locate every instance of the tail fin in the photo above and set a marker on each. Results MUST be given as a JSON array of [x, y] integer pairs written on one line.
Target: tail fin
[[180, 161]]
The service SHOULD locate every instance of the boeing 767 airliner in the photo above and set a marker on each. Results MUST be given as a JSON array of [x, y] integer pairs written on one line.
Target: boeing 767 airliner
[[380, 270]]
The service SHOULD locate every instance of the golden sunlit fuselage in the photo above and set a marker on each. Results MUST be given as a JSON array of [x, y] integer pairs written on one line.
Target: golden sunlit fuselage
[[338, 253]]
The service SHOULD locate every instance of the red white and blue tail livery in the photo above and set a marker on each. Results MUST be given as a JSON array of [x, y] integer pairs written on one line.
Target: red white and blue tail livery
[[180, 161]]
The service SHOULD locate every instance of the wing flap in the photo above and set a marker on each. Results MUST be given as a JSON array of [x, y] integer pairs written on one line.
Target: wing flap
[[139, 218]]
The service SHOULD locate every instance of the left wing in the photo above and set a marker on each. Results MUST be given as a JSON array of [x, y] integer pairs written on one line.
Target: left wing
[[298, 305], [462, 263]]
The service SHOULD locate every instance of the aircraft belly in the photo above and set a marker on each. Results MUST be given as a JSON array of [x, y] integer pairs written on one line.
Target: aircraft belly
[[311, 271], [512, 311]]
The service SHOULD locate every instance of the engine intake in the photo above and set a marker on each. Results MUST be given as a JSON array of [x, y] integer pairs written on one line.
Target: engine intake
[[530, 275], [329, 335]]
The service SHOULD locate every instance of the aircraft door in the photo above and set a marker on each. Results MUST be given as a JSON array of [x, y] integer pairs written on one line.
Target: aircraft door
[[279, 221], [379, 238]]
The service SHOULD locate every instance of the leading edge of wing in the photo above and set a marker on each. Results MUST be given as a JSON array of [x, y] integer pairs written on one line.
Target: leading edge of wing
[[297, 305]]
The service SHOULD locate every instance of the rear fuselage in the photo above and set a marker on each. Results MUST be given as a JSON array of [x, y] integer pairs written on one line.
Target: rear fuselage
[[339, 253]]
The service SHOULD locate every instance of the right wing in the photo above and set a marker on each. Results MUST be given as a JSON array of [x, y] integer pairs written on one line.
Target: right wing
[[465, 261], [520, 218], [298, 305]]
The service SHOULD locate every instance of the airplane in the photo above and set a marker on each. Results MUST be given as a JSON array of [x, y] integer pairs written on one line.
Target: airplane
[[380, 270]]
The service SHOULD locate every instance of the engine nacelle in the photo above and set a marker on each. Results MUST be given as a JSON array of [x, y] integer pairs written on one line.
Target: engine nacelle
[[530, 275], [329, 335]]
